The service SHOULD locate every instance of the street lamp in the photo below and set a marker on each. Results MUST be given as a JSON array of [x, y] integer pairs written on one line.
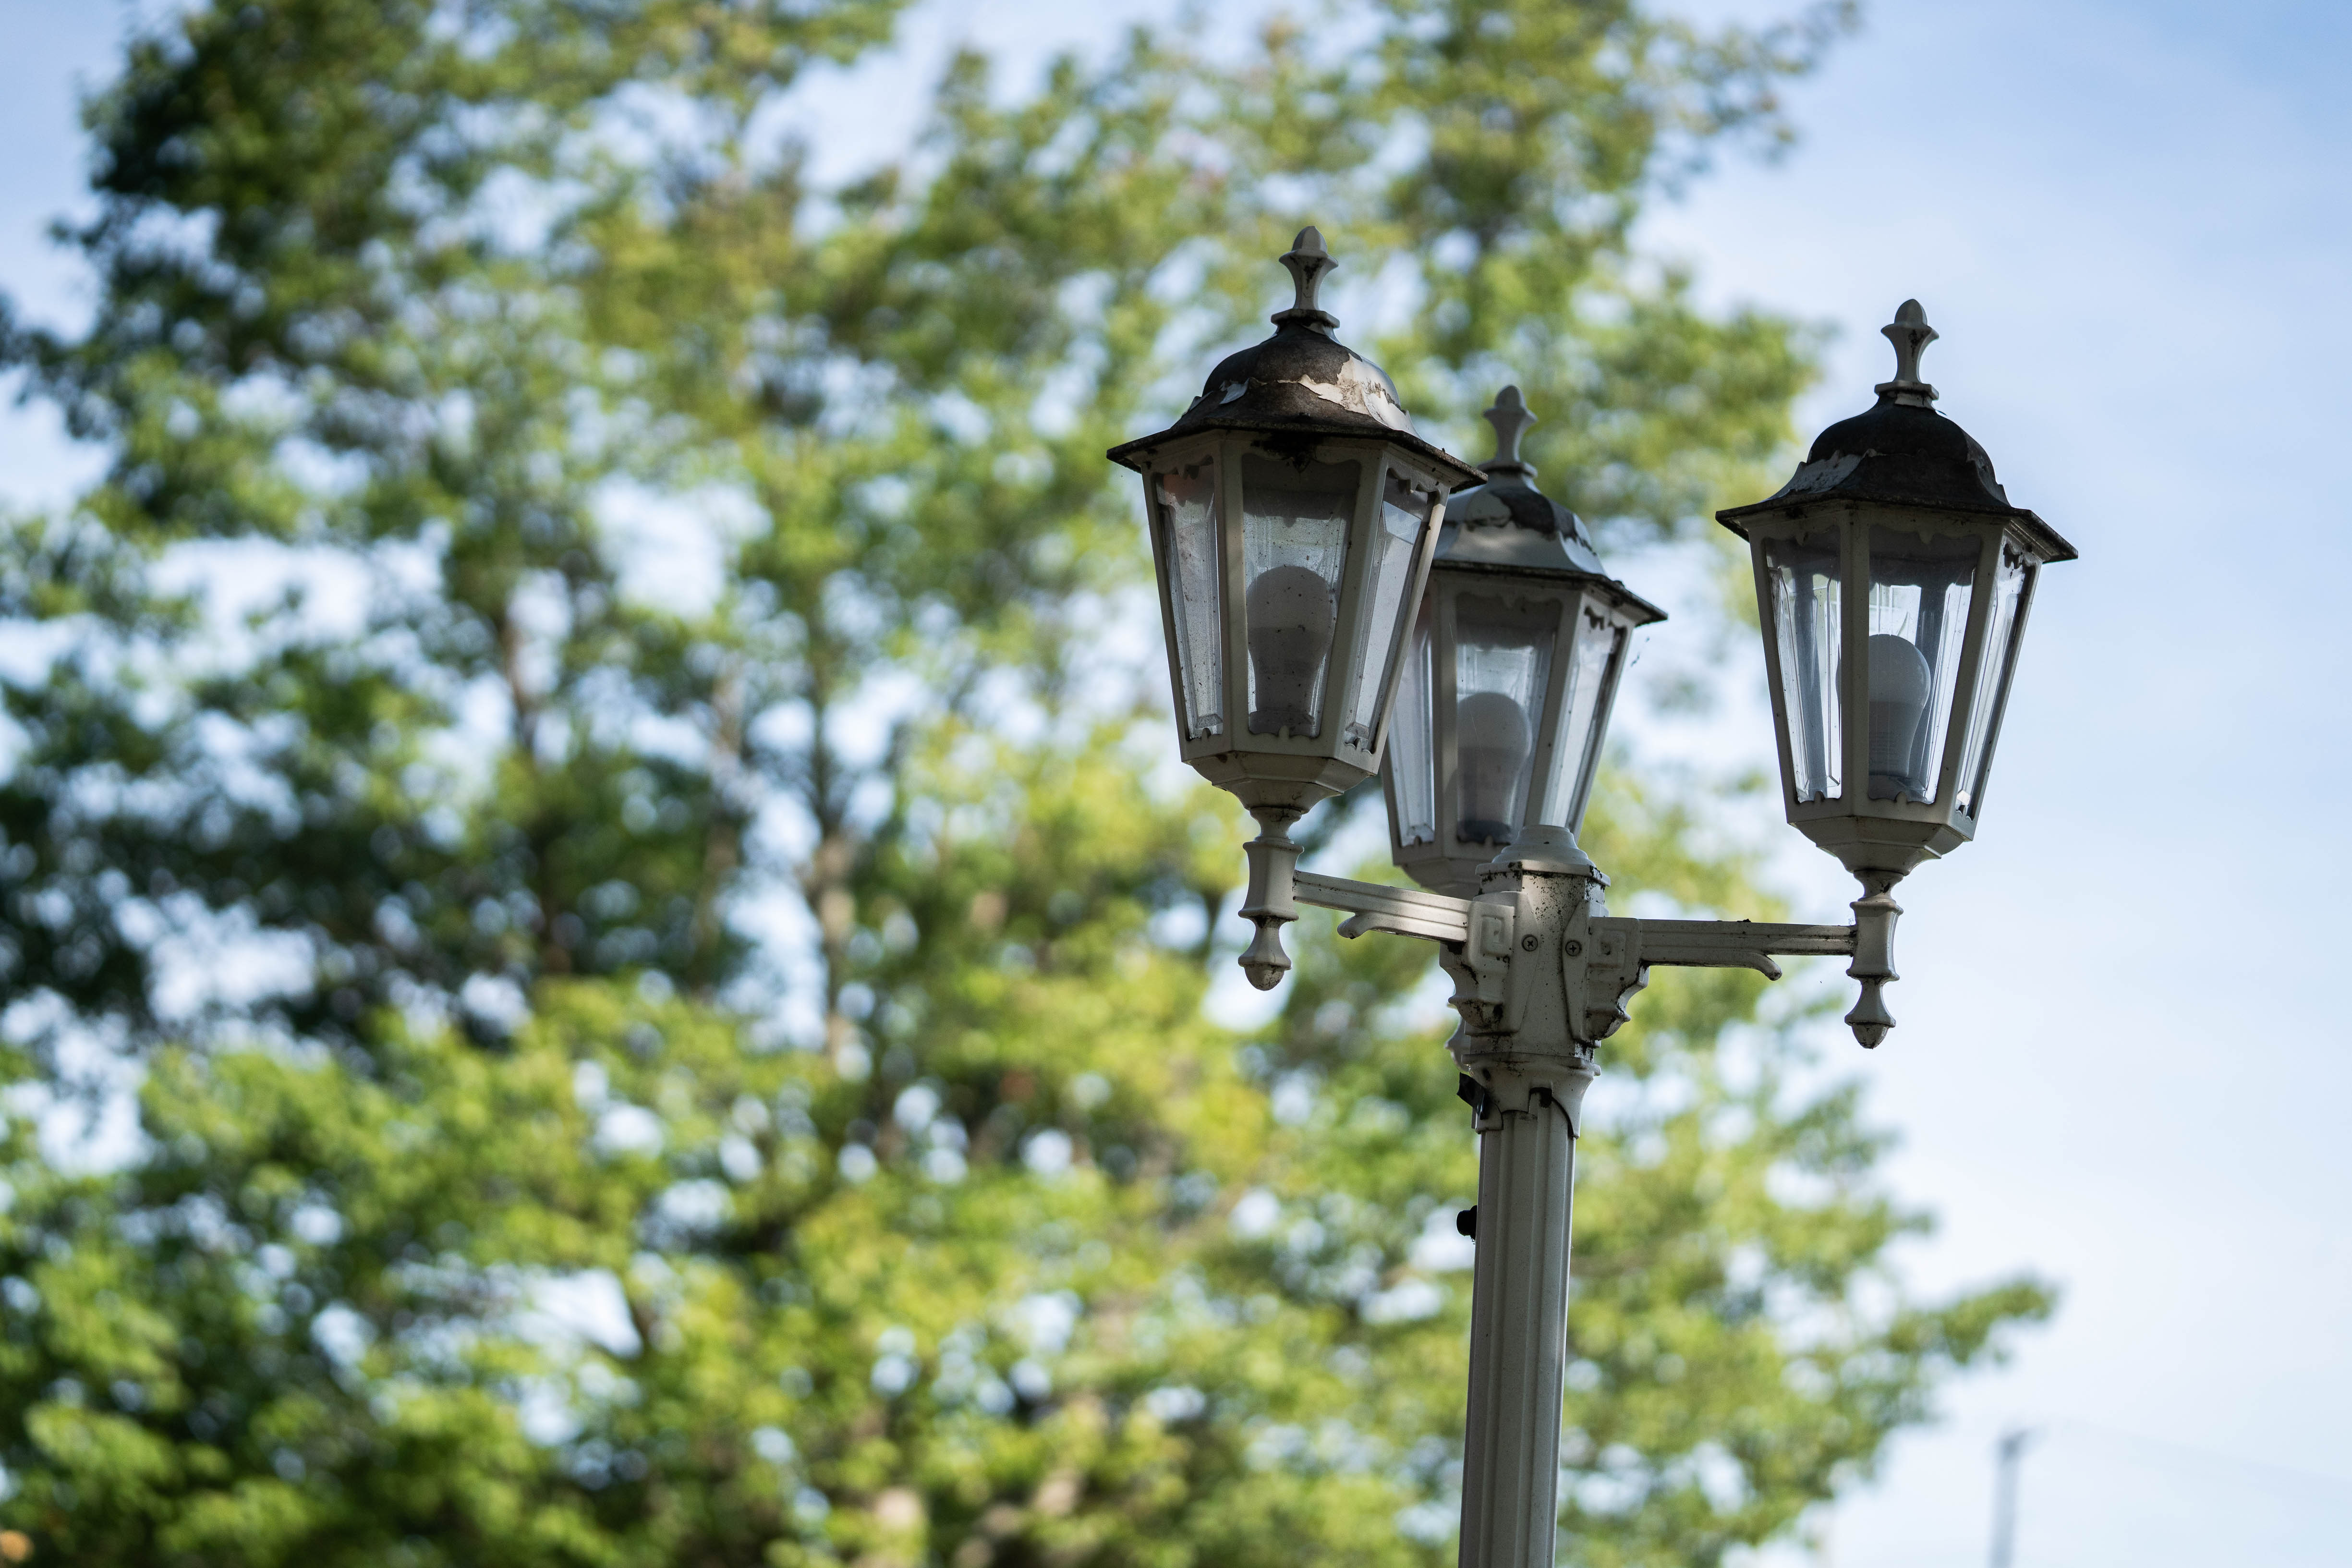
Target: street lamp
[[1509, 676], [1293, 511], [1293, 519], [1892, 538]]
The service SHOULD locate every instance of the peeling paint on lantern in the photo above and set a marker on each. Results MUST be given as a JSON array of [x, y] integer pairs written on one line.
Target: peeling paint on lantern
[[1822, 475], [1362, 389]]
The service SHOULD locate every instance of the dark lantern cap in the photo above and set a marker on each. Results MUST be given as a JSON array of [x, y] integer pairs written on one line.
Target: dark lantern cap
[[1901, 452], [1302, 381], [1506, 525]]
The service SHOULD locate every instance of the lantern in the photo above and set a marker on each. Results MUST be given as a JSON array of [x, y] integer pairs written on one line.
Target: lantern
[[1893, 577], [1293, 512], [1509, 675]]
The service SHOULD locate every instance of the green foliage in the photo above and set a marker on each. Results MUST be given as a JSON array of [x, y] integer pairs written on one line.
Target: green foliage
[[504, 1189]]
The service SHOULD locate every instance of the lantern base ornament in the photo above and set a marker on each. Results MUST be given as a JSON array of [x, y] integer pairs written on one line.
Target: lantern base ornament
[[1268, 905], [1874, 914]]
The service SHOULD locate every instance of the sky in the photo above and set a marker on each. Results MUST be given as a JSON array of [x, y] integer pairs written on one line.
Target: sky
[[2121, 1060]]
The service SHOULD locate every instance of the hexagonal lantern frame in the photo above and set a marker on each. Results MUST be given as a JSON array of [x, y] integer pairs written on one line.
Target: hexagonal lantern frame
[[1521, 618], [1902, 499], [1293, 514], [1296, 458]]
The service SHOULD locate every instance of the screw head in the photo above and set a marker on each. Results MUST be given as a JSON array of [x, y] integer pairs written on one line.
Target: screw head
[[1574, 948], [1530, 942]]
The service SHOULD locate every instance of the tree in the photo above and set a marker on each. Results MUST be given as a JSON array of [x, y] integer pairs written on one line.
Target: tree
[[505, 1190]]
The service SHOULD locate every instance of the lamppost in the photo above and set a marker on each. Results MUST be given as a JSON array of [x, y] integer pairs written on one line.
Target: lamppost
[[1509, 676], [1335, 588]]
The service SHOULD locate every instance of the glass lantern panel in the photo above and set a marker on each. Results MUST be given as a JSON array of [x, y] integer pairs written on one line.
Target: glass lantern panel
[[1294, 548], [2008, 584], [1396, 537], [1187, 501], [1919, 589], [1578, 752], [1803, 575], [1411, 758], [1502, 672]]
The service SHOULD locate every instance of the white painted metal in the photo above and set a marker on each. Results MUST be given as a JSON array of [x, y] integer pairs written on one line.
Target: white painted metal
[[1401, 910], [1518, 1316], [1542, 973]]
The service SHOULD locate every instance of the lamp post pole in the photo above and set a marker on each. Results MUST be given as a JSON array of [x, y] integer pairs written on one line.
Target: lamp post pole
[[1526, 1092], [1518, 1310], [1322, 605]]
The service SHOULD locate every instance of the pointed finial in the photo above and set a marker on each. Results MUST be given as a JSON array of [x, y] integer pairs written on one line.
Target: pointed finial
[[1910, 334], [1511, 418], [1308, 261]]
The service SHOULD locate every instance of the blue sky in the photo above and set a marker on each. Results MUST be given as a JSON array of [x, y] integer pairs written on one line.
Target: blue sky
[[2122, 1058]]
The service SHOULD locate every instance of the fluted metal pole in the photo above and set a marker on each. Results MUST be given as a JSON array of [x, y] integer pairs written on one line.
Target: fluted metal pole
[[1518, 1315]]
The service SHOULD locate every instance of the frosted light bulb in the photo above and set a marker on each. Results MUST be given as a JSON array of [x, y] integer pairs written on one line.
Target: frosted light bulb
[[1289, 613], [1900, 686], [1492, 736]]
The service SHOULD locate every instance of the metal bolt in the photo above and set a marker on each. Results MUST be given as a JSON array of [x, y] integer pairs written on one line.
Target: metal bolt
[[1530, 942], [1575, 948]]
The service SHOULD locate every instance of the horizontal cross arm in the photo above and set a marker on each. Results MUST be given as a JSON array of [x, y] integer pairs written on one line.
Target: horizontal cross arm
[[1730, 944], [1373, 907]]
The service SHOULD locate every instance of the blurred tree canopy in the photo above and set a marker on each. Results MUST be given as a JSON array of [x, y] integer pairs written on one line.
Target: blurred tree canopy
[[575, 765]]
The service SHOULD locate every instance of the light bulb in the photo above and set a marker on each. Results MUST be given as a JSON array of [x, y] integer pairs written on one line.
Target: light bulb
[[1492, 738], [1900, 685], [1289, 613]]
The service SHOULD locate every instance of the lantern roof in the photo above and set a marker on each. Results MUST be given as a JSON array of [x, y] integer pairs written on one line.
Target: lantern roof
[[1509, 525], [1303, 381], [1901, 452]]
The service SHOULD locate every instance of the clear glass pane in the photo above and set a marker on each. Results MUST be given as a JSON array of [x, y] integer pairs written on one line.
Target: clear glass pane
[[1411, 758], [1404, 520], [2008, 584], [1598, 639], [1502, 670], [1919, 588], [1187, 499], [1803, 576], [1293, 547]]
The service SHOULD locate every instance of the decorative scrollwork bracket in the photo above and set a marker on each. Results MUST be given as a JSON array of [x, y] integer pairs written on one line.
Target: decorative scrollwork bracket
[[1542, 968]]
